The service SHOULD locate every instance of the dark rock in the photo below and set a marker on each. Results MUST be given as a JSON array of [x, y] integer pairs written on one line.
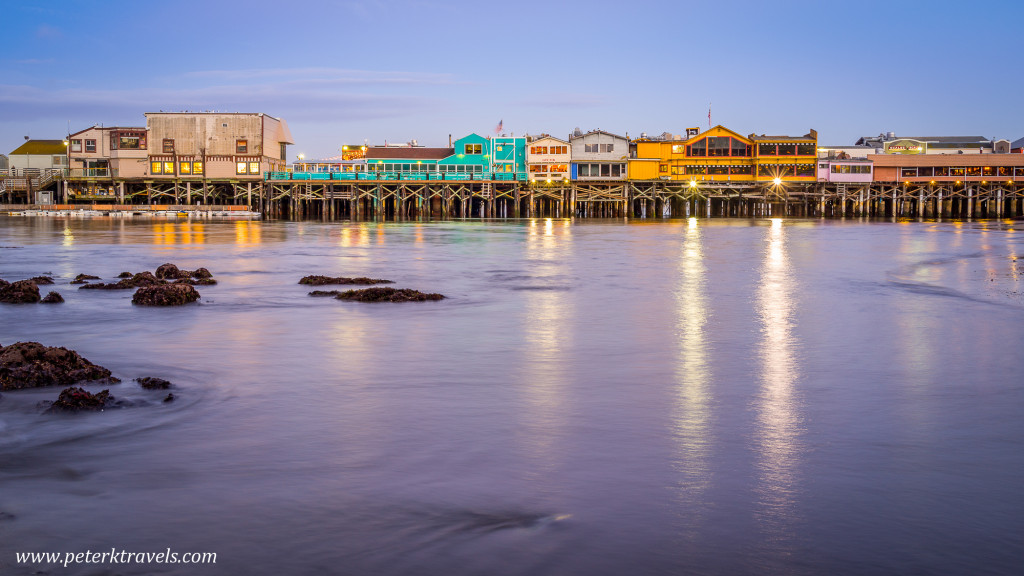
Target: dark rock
[[20, 292], [52, 298], [325, 292], [81, 278], [75, 399], [169, 272], [165, 295], [31, 365], [202, 273], [324, 280], [7, 516], [387, 295], [42, 280], [169, 398], [152, 383], [4, 283], [125, 275]]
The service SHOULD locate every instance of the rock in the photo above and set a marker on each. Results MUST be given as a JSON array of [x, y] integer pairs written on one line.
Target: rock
[[324, 280], [325, 292], [81, 278], [52, 298], [169, 398], [125, 275], [202, 273], [152, 383], [74, 399], [31, 365], [40, 280], [20, 292], [387, 295], [165, 295], [4, 283], [169, 272], [7, 516]]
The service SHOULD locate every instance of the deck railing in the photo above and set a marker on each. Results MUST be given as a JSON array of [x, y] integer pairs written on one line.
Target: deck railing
[[397, 176]]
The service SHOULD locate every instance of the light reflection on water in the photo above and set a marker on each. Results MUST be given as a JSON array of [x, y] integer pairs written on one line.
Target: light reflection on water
[[691, 396]]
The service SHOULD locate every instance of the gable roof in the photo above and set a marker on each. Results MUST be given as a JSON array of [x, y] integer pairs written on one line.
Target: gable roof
[[41, 147], [1019, 143], [574, 137]]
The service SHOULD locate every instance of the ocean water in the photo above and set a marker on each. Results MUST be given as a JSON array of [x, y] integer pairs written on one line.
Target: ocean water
[[592, 397]]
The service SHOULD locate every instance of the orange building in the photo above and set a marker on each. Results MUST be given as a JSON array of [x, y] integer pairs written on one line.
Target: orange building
[[721, 155]]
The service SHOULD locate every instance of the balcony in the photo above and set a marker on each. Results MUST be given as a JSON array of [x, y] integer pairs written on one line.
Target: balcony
[[92, 173]]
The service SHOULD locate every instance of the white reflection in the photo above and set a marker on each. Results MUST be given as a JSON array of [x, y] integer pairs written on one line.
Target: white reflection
[[545, 316], [69, 238], [778, 410], [692, 430]]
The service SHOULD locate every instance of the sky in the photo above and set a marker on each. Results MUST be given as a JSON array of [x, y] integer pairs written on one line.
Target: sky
[[343, 72]]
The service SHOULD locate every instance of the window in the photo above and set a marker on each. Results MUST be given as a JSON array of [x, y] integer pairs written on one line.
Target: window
[[718, 169], [474, 148], [787, 149], [988, 171], [942, 171], [740, 148], [197, 167], [974, 170], [168, 147], [617, 170], [241, 146], [254, 167], [699, 148], [59, 160], [1006, 170], [908, 173], [241, 168], [168, 167], [766, 150], [805, 149], [590, 148], [559, 149], [696, 170], [718, 146], [1018, 171], [804, 170], [127, 140], [741, 170], [156, 167], [606, 170], [184, 167], [678, 148], [606, 147], [956, 171], [538, 149], [583, 170], [76, 145], [924, 171], [90, 145], [284, 151]]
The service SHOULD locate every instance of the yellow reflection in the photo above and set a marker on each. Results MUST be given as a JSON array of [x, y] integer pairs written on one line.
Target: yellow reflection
[[69, 237], [778, 413], [172, 233], [692, 430], [248, 233]]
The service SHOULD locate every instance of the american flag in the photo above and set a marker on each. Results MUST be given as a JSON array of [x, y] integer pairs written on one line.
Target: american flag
[[501, 124], [709, 115]]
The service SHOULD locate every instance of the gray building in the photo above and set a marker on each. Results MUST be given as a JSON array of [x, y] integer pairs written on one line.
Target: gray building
[[598, 155]]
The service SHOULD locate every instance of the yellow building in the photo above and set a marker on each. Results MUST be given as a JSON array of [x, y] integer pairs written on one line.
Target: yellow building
[[721, 155]]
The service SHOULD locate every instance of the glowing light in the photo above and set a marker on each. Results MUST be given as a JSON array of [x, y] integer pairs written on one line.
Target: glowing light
[[777, 181], [693, 183]]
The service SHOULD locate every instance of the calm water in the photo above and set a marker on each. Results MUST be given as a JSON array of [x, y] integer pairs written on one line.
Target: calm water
[[683, 397]]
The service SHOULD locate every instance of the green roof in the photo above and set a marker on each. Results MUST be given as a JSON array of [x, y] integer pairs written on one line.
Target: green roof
[[33, 147]]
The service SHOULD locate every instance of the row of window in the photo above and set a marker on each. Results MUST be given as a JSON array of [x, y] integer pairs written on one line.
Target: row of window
[[76, 145], [784, 170], [600, 170], [714, 146], [744, 170], [598, 148], [991, 171], [848, 168], [184, 168], [786, 149], [128, 140], [549, 167], [549, 149], [241, 146]]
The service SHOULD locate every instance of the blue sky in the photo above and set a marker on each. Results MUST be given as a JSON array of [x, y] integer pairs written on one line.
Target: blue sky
[[348, 72]]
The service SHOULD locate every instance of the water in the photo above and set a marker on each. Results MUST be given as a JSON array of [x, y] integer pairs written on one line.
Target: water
[[681, 397]]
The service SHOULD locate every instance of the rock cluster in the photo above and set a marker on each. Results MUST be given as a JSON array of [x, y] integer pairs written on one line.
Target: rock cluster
[[153, 383], [387, 295], [165, 295], [20, 292], [136, 281], [325, 280], [52, 298], [76, 399], [32, 365]]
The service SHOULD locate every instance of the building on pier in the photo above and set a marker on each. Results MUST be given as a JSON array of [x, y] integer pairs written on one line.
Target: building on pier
[[599, 155], [948, 168], [889, 143], [99, 156], [404, 162], [845, 170], [723, 156], [548, 159]]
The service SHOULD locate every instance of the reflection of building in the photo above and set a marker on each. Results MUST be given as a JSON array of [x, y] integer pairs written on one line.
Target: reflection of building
[[721, 155], [547, 158], [598, 155]]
